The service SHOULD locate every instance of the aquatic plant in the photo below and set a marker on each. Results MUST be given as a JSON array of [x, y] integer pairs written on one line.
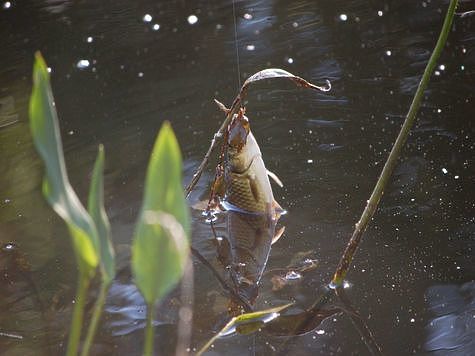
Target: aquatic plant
[[372, 204], [60, 194], [161, 242]]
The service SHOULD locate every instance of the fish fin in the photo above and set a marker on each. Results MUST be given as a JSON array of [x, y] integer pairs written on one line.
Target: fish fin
[[275, 178], [278, 209], [278, 235]]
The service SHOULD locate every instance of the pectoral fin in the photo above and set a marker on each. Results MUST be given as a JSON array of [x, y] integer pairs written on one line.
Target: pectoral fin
[[275, 178], [219, 186], [278, 235]]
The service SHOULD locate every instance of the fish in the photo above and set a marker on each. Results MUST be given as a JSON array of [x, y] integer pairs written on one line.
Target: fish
[[245, 184], [251, 212]]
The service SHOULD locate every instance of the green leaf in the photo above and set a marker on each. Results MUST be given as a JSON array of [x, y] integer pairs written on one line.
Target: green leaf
[[56, 186], [246, 323], [95, 207], [159, 252]]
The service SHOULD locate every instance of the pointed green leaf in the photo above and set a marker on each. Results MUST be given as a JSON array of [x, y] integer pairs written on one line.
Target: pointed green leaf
[[95, 207], [56, 187], [246, 323], [159, 252]]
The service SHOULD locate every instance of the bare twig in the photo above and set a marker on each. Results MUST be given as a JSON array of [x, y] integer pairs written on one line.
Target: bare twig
[[390, 164]]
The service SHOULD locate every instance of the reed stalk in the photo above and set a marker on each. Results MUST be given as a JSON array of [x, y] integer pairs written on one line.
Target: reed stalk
[[96, 316], [149, 335], [78, 315], [391, 162]]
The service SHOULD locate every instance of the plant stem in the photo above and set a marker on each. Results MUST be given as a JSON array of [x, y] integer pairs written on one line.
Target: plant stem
[[96, 315], [390, 164], [78, 314], [149, 334]]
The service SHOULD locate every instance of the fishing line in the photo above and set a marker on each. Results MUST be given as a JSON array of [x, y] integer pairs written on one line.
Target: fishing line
[[236, 45]]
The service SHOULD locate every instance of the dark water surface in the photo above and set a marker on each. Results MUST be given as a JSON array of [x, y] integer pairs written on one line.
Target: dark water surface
[[116, 77]]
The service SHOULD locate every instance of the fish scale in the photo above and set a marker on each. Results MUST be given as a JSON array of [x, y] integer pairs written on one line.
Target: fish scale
[[240, 193]]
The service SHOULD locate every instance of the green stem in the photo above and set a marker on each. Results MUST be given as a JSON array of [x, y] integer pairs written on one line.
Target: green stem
[[96, 315], [388, 169], [149, 334], [78, 314]]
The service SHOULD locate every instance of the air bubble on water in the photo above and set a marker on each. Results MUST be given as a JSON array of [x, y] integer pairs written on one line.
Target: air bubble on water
[[346, 285], [442, 67], [156, 27], [83, 64], [320, 332], [8, 246], [292, 275], [247, 16], [89, 39], [192, 19], [140, 74], [388, 53], [464, 50], [439, 111], [7, 5], [309, 160], [147, 18], [437, 72], [343, 17], [71, 132], [445, 171], [413, 320], [462, 67], [456, 177], [290, 60], [219, 26], [49, 69], [380, 13], [250, 47], [295, 24]]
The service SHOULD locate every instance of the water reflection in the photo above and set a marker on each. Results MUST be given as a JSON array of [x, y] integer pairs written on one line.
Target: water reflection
[[451, 328], [243, 252]]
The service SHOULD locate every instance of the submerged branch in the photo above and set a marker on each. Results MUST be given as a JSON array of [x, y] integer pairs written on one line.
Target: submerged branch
[[390, 164], [263, 74]]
